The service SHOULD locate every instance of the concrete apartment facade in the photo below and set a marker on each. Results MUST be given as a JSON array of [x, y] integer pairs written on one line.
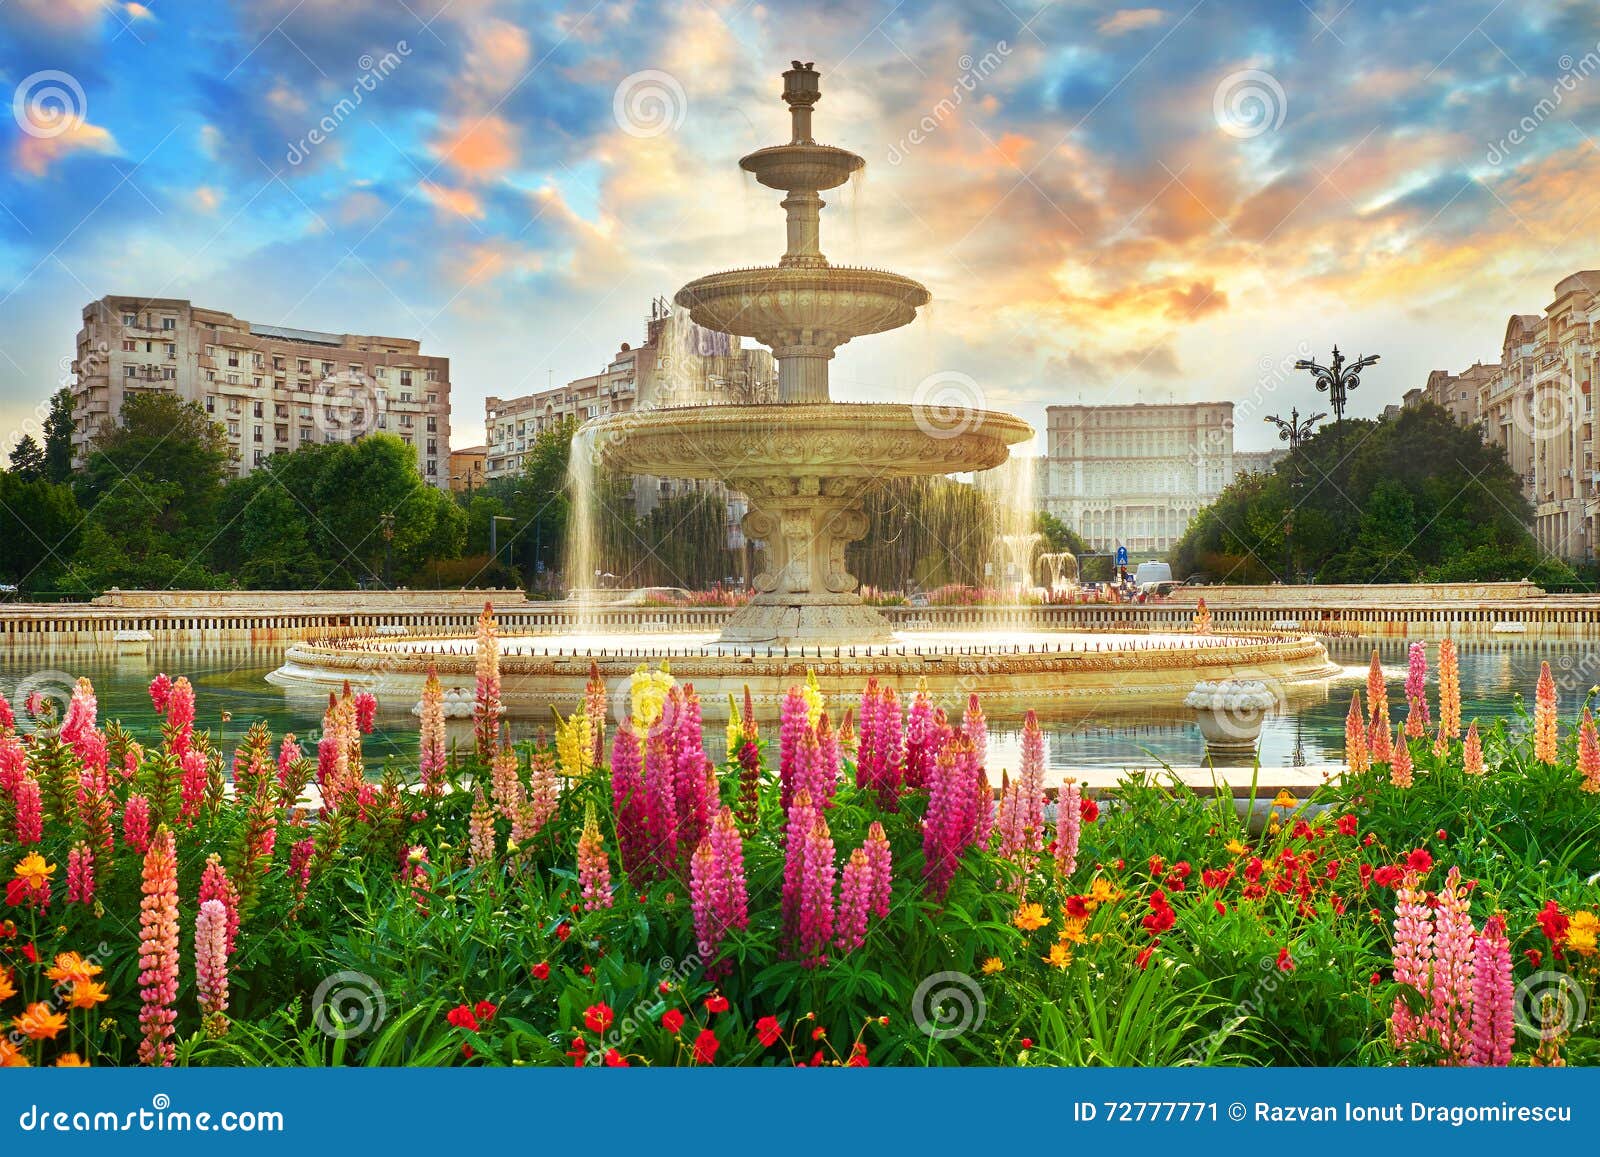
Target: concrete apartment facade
[[1135, 475], [1538, 404], [272, 388]]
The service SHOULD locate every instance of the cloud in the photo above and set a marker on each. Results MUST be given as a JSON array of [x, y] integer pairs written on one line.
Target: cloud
[[206, 199], [1131, 20], [36, 155], [479, 148], [458, 202]]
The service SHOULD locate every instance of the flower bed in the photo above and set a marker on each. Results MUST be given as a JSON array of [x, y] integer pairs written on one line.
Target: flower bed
[[842, 890]]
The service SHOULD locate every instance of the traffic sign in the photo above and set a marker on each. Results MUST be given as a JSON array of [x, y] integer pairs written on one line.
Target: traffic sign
[[1122, 556]]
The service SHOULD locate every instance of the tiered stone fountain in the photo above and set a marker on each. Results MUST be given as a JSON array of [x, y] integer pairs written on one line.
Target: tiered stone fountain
[[804, 462]]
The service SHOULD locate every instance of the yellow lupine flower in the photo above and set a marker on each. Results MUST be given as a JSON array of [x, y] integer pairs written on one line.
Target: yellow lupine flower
[[647, 694], [735, 726], [812, 694]]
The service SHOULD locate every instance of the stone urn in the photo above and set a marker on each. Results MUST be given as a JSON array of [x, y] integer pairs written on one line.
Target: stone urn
[[1230, 713]]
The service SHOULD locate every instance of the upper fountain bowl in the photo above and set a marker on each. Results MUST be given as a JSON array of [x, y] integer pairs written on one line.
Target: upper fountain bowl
[[768, 302], [789, 167]]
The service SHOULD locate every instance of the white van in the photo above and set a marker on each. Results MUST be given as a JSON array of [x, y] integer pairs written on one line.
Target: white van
[[1149, 574]]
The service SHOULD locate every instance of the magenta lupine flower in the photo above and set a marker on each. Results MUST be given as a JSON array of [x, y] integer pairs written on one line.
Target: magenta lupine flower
[[1492, 1029], [160, 692], [881, 861], [1417, 719], [816, 896], [29, 810], [1413, 958], [951, 823], [855, 898], [692, 804], [192, 787], [881, 755], [793, 724], [289, 754], [827, 766], [13, 762], [734, 894], [660, 804], [366, 711], [921, 740], [136, 823], [179, 728], [215, 885], [594, 866], [628, 800], [1069, 827], [800, 818], [431, 764], [80, 874], [211, 966], [703, 882], [867, 743], [1452, 970], [8, 720], [976, 728], [486, 709], [299, 868]]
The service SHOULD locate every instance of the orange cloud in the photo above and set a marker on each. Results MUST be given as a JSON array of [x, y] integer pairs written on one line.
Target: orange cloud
[[457, 201], [36, 154], [1131, 20], [480, 148]]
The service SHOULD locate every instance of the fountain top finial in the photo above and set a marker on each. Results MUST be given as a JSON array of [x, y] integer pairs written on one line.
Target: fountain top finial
[[802, 88]]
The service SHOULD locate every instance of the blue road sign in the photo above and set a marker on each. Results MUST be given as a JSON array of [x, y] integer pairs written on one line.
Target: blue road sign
[[1122, 556]]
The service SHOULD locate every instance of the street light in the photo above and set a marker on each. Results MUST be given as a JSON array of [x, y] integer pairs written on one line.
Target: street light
[[386, 522], [1337, 379], [494, 534], [1294, 431]]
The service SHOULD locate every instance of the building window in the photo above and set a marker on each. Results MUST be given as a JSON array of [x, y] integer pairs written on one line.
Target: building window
[[355, 368], [260, 457], [256, 435], [130, 371], [130, 319], [433, 468], [169, 373], [327, 369], [233, 358], [380, 372], [306, 433], [304, 365], [211, 403], [169, 323], [255, 410], [277, 363], [233, 429], [433, 424], [405, 378], [129, 345]]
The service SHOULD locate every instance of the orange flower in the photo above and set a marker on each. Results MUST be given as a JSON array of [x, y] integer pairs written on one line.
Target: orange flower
[[39, 1022], [71, 1061], [34, 870], [7, 989], [87, 994], [70, 968], [10, 1055]]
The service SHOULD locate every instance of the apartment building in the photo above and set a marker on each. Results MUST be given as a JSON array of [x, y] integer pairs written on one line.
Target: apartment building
[[272, 388], [1537, 403]]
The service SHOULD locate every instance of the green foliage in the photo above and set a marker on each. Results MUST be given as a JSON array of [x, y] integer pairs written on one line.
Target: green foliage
[[1414, 498], [27, 460], [39, 523], [58, 430]]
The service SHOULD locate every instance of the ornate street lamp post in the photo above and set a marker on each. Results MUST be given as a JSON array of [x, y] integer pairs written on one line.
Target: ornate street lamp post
[[1293, 432], [386, 522], [1337, 379]]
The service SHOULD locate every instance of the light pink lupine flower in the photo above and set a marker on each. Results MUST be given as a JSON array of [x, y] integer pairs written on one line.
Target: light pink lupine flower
[[136, 823], [299, 867], [1588, 754], [976, 728], [158, 950], [1451, 1015], [1492, 1029], [80, 874], [82, 712], [1069, 827], [544, 795], [29, 810], [1022, 832], [505, 782], [1413, 957], [1472, 751], [431, 764], [594, 866], [1400, 765], [1417, 718], [480, 831], [881, 860], [486, 708], [211, 967], [215, 885]]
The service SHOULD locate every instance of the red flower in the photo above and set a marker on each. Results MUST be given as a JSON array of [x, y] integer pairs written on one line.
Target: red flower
[[1156, 865], [716, 1002], [818, 1033], [1182, 869], [1535, 957], [1027, 1043], [768, 1031], [1090, 811], [705, 1047], [664, 987], [1389, 875], [1377, 978], [672, 1021], [579, 1052], [1368, 840], [1143, 959], [32, 953], [1553, 923], [1419, 860], [1161, 916], [485, 1011], [1441, 834], [598, 1017], [468, 1052], [1348, 825], [1285, 961], [461, 1017], [1222, 909], [1252, 869], [615, 1060], [541, 971], [563, 930], [858, 1057], [1076, 908]]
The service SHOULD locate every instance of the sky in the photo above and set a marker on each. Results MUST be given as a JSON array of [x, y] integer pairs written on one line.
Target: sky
[[1108, 203]]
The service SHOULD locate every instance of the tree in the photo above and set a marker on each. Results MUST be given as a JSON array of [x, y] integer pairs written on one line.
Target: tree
[[27, 459], [58, 430], [39, 523], [366, 486], [1409, 499]]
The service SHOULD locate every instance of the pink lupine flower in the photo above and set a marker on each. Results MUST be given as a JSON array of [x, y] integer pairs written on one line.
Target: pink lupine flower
[[1355, 737], [1417, 718], [881, 754], [414, 871], [867, 743], [660, 803], [693, 805], [1492, 1029], [828, 764], [486, 708], [1472, 751], [881, 862], [544, 796], [505, 782], [1022, 802], [976, 728], [8, 720], [951, 823], [922, 740], [215, 885], [160, 692], [1451, 1015], [480, 831], [158, 950], [703, 879], [299, 867], [80, 874], [800, 818], [594, 866], [192, 787], [431, 764], [733, 895], [136, 823], [13, 762], [1588, 754], [82, 713], [366, 711], [1449, 689], [211, 966], [816, 896], [29, 810], [793, 725], [1069, 827], [1544, 717], [855, 898], [628, 800], [289, 754], [179, 727], [1400, 765], [1413, 957]]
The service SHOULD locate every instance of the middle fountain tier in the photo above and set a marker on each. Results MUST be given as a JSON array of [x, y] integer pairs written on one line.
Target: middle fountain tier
[[805, 463]]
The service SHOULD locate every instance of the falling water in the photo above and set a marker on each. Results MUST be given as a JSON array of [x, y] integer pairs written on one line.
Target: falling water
[[581, 545]]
